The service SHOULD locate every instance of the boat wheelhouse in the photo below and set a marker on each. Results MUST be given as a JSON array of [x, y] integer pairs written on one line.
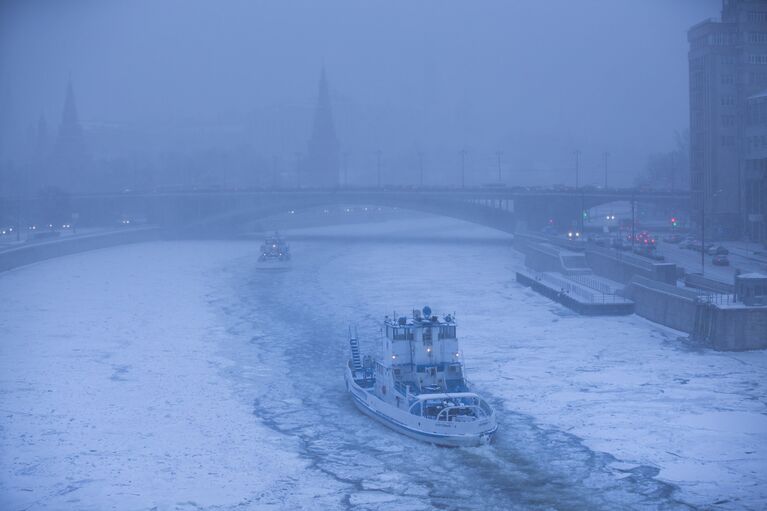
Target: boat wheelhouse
[[275, 253], [417, 384]]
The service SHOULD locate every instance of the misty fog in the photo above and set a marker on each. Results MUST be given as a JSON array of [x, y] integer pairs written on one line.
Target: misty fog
[[159, 83], [383, 255]]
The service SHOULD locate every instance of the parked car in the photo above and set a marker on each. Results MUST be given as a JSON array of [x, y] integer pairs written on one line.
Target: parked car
[[698, 247], [721, 260], [717, 250], [649, 252], [619, 244]]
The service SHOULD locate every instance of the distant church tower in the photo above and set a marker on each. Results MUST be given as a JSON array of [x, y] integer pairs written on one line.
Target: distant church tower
[[322, 162], [69, 155]]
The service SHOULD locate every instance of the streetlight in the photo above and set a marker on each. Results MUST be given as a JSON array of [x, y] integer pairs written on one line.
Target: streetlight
[[577, 186], [577, 153], [703, 228], [463, 167], [298, 168], [420, 168], [346, 169], [633, 218]]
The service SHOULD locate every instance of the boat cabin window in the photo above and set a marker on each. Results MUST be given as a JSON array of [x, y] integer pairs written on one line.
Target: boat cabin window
[[416, 408], [447, 332], [399, 334]]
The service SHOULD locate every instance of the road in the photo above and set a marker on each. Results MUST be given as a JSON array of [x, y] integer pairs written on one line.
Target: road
[[690, 261]]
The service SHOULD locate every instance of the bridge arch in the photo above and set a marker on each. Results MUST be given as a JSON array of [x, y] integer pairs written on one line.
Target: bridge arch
[[227, 221]]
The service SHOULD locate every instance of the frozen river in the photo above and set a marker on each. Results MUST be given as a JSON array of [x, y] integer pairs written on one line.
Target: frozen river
[[176, 376]]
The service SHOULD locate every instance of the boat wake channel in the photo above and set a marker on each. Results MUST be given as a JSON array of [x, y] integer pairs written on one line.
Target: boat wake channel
[[291, 360]]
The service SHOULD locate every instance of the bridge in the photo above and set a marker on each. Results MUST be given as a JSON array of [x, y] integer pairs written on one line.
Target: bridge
[[221, 212]]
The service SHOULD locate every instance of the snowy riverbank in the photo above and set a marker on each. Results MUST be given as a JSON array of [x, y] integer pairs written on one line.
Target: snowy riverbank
[[111, 391]]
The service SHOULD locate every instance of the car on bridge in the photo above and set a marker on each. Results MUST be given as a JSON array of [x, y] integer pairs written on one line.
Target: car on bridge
[[717, 250]]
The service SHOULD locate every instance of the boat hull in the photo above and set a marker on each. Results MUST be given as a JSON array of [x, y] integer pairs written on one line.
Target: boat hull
[[273, 265], [385, 413]]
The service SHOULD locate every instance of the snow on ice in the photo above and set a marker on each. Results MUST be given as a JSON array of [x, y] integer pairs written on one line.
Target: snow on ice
[[172, 375]]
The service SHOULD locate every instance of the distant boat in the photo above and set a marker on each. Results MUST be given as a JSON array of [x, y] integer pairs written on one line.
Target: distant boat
[[275, 253], [418, 387]]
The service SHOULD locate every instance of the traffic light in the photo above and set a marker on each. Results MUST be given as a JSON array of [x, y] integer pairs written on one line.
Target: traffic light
[[673, 221]]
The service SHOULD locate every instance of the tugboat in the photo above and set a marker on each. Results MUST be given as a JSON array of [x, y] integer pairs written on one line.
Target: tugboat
[[275, 253], [417, 386]]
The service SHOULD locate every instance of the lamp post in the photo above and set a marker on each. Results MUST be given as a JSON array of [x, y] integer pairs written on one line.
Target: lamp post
[[577, 153], [633, 218], [577, 187], [346, 169], [298, 169], [703, 229], [703, 224], [463, 168], [420, 168]]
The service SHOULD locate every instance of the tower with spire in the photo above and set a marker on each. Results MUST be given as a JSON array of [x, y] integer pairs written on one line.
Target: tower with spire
[[322, 160], [69, 156]]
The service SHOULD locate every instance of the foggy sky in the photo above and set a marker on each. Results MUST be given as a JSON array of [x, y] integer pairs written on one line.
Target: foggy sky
[[534, 79]]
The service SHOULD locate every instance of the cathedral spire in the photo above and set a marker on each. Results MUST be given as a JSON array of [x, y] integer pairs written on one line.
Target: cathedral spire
[[323, 154], [69, 155]]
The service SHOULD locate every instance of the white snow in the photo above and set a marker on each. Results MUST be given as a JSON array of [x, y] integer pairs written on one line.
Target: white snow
[[125, 383], [111, 390]]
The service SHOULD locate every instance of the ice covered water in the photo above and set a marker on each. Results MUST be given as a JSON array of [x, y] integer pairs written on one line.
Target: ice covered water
[[175, 375], [528, 467]]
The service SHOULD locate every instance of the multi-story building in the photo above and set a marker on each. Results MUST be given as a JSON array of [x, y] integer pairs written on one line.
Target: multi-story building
[[728, 72], [755, 168]]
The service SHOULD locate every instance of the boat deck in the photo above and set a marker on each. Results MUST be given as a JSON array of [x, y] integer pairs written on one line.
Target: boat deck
[[450, 387]]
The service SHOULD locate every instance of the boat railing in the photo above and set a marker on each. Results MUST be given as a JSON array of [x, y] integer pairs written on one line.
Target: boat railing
[[402, 388], [470, 413]]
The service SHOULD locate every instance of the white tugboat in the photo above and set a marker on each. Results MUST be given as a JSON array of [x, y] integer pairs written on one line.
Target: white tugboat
[[275, 253], [417, 384]]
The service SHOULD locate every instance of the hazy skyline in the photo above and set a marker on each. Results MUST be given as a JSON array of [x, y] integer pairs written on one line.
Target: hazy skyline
[[404, 76]]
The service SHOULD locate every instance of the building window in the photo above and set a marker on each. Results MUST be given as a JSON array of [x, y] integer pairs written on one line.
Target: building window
[[728, 120], [757, 59], [728, 60], [757, 17], [722, 39], [727, 100], [757, 37], [728, 141], [727, 79]]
